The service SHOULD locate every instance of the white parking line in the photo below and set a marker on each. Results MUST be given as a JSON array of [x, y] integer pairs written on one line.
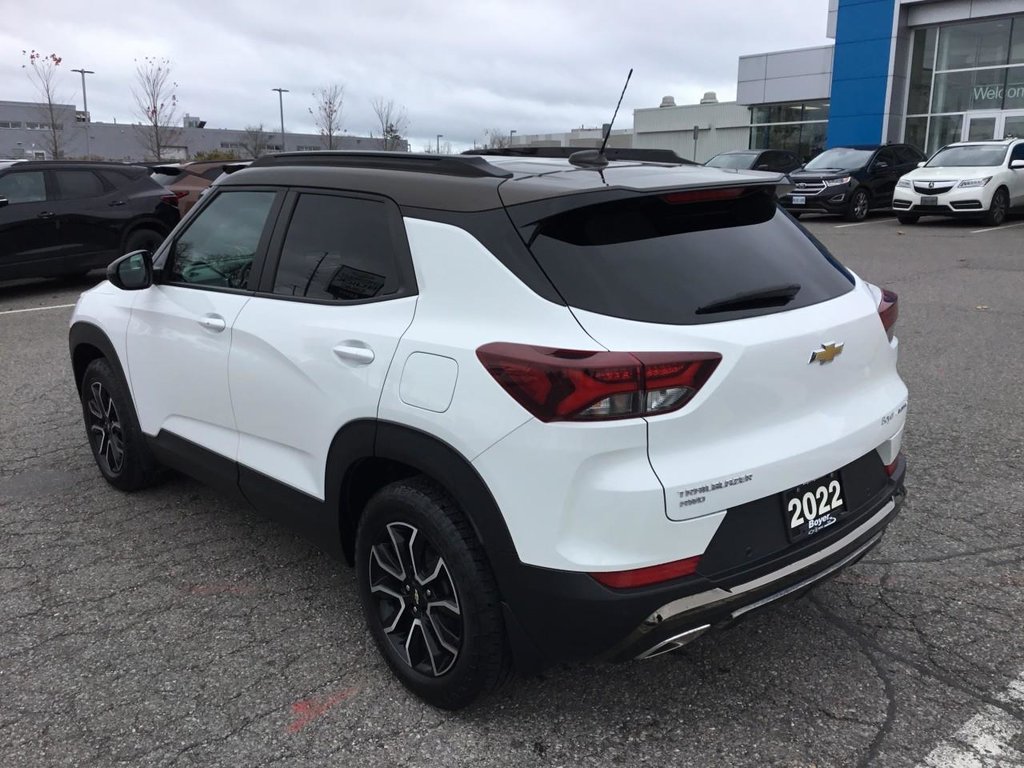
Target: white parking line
[[859, 223], [984, 740], [994, 229], [34, 309]]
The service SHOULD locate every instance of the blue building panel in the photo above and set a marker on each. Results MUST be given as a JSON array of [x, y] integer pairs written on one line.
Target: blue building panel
[[860, 71]]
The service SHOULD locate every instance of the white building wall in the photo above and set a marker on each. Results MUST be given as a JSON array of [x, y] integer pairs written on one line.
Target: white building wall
[[722, 127]]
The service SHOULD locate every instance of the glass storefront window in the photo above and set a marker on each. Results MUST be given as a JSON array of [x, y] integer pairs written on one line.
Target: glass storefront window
[[1017, 41], [922, 60], [806, 139], [978, 44], [1013, 96], [945, 129], [969, 91], [917, 130]]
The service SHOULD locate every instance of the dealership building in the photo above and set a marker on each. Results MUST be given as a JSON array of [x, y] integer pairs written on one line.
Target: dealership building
[[927, 72]]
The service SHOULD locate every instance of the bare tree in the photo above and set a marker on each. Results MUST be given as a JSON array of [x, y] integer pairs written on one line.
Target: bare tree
[[256, 141], [328, 112], [393, 122], [432, 148], [157, 104], [42, 71], [497, 139]]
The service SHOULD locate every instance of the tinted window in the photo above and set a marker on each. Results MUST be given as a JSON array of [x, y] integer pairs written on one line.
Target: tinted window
[[840, 158], [907, 155], [656, 260], [738, 160], [212, 173], [74, 185], [886, 156], [1018, 153], [968, 156], [337, 249], [218, 248], [25, 187]]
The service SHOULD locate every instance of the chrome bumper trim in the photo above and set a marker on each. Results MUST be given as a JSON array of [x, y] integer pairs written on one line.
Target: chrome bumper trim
[[701, 599]]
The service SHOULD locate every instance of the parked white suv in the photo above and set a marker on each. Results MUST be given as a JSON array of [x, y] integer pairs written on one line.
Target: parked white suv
[[975, 179], [551, 410]]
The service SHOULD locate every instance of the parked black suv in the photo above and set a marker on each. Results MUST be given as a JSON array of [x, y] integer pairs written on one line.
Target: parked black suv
[[62, 218], [778, 160], [851, 180]]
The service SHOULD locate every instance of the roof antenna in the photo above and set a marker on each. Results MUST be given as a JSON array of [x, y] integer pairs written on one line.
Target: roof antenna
[[588, 158]]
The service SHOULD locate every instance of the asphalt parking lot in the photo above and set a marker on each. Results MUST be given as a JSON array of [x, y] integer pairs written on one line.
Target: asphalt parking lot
[[172, 627]]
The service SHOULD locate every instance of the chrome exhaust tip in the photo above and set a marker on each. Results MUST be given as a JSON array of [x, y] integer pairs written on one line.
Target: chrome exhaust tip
[[674, 643]]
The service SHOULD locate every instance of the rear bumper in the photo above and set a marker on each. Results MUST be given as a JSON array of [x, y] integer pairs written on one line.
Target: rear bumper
[[557, 616]]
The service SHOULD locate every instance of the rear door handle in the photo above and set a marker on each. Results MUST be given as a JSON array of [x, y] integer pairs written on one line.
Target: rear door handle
[[117, 202], [354, 351], [45, 215], [214, 323]]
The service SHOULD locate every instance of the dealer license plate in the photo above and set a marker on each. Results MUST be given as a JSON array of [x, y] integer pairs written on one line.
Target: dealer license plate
[[929, 201], [799, 199], [812, 507]]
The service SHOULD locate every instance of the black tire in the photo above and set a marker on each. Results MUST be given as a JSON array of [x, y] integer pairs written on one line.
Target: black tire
[[143, 240], [996, 213], [907, 218], [413, 525], [112, 428], [859, 205]]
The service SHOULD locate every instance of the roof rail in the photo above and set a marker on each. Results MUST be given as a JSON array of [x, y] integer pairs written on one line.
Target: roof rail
[[612, 153], [449, 165]]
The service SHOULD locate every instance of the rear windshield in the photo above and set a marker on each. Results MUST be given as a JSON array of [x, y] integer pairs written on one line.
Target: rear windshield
[[670, 259], [737, 160], [967, 157]]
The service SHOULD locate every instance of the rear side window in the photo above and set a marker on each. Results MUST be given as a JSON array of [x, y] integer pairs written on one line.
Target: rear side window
[[337, 249], [679, 260], [74, 185], [23, 187]]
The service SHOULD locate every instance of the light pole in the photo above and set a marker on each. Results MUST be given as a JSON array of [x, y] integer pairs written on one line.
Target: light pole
[[510, 135], [85, 106], [280, 103], [439, 137]]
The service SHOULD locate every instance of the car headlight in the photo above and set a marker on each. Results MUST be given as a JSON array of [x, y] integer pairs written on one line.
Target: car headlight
[[837, 182], [966, 183], [905, 183]]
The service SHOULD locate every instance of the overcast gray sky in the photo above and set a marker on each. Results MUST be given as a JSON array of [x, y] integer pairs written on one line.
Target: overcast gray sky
[[458, 68]]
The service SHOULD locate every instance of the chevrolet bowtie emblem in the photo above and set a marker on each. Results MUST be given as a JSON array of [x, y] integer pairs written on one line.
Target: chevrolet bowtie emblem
[[826, 354]]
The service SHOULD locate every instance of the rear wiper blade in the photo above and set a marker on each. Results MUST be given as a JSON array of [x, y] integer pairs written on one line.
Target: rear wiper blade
[[774, 296]]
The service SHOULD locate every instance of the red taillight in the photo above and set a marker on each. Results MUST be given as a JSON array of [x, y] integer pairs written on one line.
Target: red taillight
[[654, 574], [174, 197], [570, 385], [703, 195], [888, 311], [891, 468]]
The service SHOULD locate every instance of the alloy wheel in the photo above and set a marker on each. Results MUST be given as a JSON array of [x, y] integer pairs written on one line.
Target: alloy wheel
[[416, 600], [998, 213], [105, 429], [860, 205]]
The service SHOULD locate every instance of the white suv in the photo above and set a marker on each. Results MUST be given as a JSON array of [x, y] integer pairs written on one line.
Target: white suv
[[549, 411], [975, 179]]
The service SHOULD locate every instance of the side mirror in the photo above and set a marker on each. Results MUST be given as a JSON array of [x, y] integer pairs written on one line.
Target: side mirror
[[132, 272], [3, 201], [881, 165], [922, 164], [1015, 165], [762, 167]]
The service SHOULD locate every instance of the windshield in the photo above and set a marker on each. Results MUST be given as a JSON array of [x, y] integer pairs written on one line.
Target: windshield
[[966, 157], [841, 158], [737, 160]]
